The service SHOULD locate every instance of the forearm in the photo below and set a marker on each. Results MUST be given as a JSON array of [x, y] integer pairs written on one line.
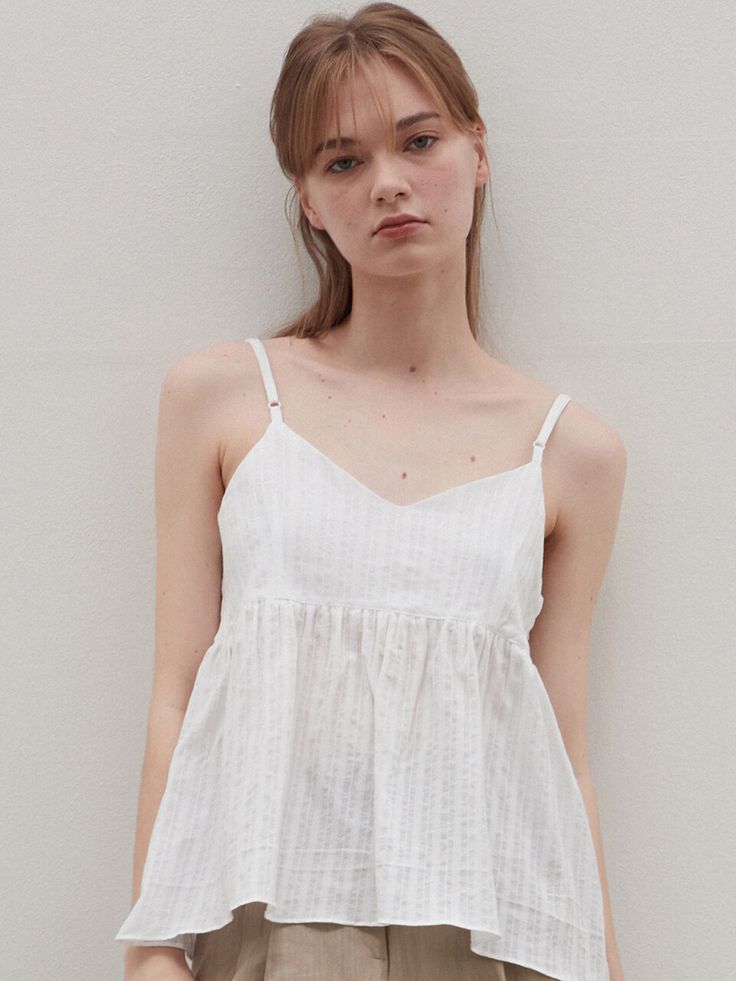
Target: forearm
[[154, 962], [164, 726], [587, 790]]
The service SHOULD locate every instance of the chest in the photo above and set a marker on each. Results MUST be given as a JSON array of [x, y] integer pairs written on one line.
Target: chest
[[295, 524], [422, 458]]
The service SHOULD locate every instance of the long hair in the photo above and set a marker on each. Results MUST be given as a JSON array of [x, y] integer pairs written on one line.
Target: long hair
[[320, 62]]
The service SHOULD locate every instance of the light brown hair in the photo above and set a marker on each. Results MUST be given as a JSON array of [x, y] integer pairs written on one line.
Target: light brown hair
[[321, 61]]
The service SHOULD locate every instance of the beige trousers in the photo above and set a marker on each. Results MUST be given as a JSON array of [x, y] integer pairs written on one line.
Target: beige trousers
[[252, 948]]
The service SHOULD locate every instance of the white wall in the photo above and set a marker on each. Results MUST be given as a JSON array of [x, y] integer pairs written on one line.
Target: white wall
[[142, 217]]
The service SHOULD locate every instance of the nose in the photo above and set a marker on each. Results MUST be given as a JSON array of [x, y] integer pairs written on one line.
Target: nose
[[389, 179]]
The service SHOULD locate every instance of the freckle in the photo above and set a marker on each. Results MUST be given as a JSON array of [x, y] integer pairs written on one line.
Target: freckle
[[472, 459], [404, 475]]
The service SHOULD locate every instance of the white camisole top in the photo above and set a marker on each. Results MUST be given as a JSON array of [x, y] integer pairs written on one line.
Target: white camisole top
[[368, 740]]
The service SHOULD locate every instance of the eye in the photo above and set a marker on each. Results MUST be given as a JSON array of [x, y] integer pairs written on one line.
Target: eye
[[424, 136], [421, 136]]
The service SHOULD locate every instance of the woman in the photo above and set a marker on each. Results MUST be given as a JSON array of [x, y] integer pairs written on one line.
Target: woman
[[376, 769]]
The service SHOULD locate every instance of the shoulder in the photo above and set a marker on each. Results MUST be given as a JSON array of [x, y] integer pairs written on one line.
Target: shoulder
[[587, 449], [586, 460], [585, 457], [208, 365], [206, 378], [584, 446], [214, 396]]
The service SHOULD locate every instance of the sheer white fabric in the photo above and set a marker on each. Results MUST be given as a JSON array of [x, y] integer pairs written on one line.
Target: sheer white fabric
[[368, 740]]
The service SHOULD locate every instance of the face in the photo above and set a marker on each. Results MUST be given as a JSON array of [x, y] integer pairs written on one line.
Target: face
[[428, 169]]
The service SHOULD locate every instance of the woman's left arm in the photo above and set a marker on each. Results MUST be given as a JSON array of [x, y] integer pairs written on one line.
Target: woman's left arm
[[585, 472]]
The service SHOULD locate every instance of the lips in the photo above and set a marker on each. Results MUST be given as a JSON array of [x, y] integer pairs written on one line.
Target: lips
[[397, 220]]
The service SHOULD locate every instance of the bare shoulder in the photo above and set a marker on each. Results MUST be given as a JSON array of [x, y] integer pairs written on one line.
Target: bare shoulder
[[588, 450], [209, 370], [207, 382], [585, 457], [582, 445], [216, 393], [586, 460]]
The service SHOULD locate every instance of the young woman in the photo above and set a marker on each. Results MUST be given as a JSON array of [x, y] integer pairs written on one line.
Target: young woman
[[366, 754]]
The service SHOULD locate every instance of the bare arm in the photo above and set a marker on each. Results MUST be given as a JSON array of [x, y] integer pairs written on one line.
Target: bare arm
[[589, 473], [188, 583]]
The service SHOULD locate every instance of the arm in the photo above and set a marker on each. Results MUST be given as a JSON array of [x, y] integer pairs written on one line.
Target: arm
[[188, 583], [587, 476]]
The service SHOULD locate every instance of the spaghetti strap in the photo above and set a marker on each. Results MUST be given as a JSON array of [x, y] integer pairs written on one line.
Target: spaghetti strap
[[548, 425], [269, 384]]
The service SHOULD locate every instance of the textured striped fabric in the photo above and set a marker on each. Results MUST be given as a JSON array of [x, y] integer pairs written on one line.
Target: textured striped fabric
[[368, 740]]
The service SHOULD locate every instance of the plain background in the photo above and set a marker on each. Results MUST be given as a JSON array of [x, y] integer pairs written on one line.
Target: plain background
[[143, 217]]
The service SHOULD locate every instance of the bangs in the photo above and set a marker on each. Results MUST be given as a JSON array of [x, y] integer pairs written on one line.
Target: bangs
[[318, 118]]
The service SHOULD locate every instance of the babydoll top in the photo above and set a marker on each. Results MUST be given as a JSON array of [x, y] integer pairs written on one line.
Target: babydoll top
[[368, 740]]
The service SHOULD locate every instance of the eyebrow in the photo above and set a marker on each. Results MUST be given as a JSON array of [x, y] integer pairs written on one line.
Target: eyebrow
[[404, 123]]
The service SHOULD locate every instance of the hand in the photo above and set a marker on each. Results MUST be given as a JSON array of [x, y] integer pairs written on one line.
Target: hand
[[156, 964]]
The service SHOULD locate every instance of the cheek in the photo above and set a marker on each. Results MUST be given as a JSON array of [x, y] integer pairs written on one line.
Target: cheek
[[448, 190], [340, 206]]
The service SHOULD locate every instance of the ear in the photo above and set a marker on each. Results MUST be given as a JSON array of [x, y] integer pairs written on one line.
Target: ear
[[483, 172], [307, 208]]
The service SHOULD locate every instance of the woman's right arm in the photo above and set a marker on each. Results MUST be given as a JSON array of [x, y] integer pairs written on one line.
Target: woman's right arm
[[188, 492]]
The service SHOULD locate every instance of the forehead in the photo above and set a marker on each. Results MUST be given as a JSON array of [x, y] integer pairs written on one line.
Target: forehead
[[401, 124], [383, 96]]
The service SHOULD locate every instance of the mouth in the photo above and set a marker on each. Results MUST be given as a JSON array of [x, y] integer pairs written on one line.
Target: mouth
[[398, 221], [400, 230]]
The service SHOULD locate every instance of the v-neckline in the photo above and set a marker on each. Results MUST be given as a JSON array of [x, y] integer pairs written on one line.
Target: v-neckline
[[279, 424], [393, 504]]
